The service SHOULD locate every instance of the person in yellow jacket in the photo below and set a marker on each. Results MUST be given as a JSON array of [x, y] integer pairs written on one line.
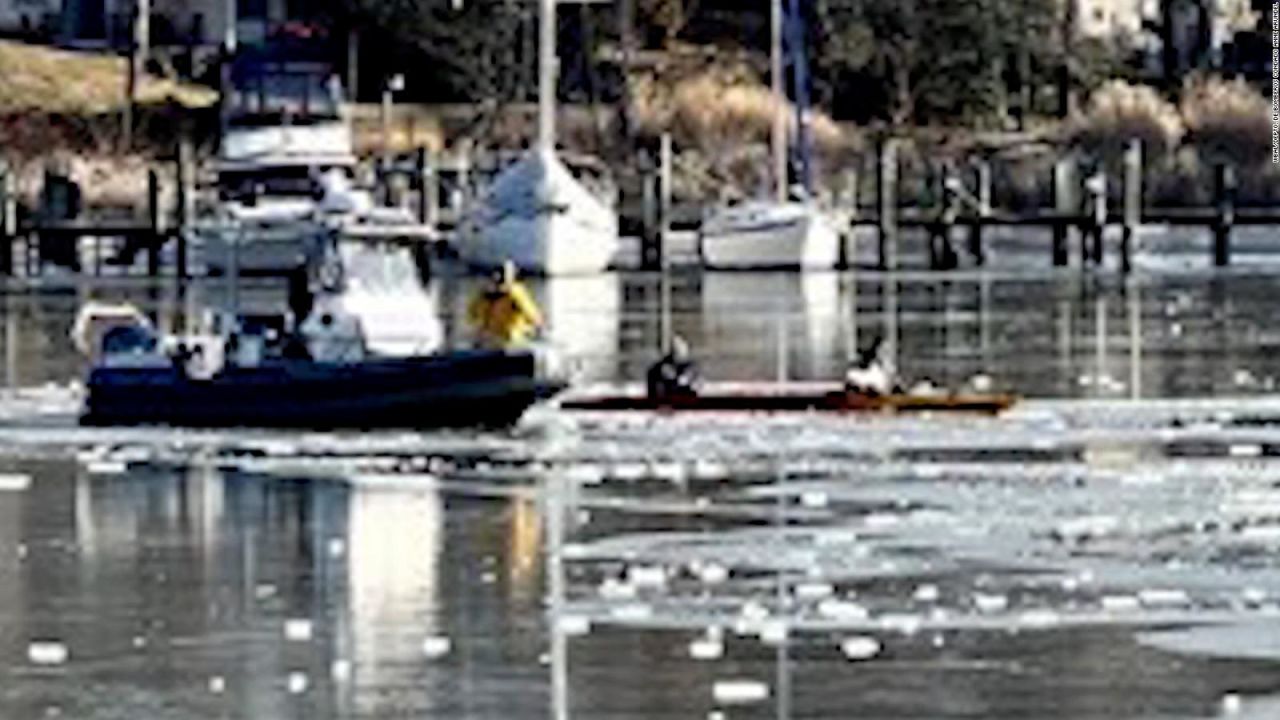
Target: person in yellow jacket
[[503, 314]]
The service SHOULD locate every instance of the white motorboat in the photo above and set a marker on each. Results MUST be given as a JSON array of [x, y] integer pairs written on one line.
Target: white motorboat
[[540, 217], [763, 235]]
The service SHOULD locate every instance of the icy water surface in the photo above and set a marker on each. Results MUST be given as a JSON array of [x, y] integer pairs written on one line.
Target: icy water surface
[[1090, 555]]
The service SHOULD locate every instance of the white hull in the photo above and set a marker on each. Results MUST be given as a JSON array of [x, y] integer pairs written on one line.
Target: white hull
[[538, 216], [770, 236]]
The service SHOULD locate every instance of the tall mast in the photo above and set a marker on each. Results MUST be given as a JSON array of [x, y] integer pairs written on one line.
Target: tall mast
[[800, 64], [780, 103], [547, 71]]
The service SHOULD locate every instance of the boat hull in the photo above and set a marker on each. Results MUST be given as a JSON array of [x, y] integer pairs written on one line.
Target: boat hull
[[791, 237], [466, 389], [548, 244]]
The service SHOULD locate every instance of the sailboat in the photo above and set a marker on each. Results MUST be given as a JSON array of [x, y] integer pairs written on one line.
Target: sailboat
[[536, 213], [788, 231]]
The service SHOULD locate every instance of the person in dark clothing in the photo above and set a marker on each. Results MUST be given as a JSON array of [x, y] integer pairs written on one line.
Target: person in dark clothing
[[676, 375]]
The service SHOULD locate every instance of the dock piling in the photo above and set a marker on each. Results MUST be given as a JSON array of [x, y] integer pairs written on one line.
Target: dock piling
[[8, 220], [1132, 202], [977, 247], [1225, 202], [155, 231], [887, 192], [1064, 204], [186, 188]]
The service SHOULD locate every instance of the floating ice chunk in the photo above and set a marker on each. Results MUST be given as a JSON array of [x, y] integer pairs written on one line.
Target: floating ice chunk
[[1231, 704], [1163, 598], [632, 612], [905, 623], [585, 474], [939, 640], [1253, 595], [47, 652], [706, 648], [927, 593], [298, 682], [814, 590], [715, 715], [1120, 603], [217, 684], [1089, 526], [713, 574], [264, 591], [860, 647], [139, 642], [1245, 451], [773, 632], [575, 625], [813, 499], [435, 647], [754, 611], [298, 630], [613, 589], [881, 520], [739, 692], [629, 471], [22, 551], [842, 610], [340, 670], [669, 471], [1039, 618], [643, 576], [14, 482], [709, 470], [106, 467], [337, 547]]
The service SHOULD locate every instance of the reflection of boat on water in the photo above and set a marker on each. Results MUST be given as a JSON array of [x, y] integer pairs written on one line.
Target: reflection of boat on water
[[754, 322], [581, 317]]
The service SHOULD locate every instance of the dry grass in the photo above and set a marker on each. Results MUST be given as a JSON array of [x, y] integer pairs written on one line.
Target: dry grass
[[1227, 120], [51, 81], [1118, 112]]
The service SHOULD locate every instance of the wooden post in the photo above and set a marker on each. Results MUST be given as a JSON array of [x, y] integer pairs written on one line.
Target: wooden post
[[664, 231], [650, 254], [424, 178], [1064, 206], [1132, 202], [8, 221], [887, 191], [186, 172], [156, 239], [1225, 198], [976, 246], [353, 64]]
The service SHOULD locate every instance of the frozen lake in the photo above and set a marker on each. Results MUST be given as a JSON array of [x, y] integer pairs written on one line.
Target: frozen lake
[[1108, 549]]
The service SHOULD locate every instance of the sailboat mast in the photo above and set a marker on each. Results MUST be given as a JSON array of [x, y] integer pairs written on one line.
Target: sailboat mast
[[800, 64], [547, 70], [780, 103]]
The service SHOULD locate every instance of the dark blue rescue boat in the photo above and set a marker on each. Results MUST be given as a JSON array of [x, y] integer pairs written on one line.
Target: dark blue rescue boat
[[457, 389]]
